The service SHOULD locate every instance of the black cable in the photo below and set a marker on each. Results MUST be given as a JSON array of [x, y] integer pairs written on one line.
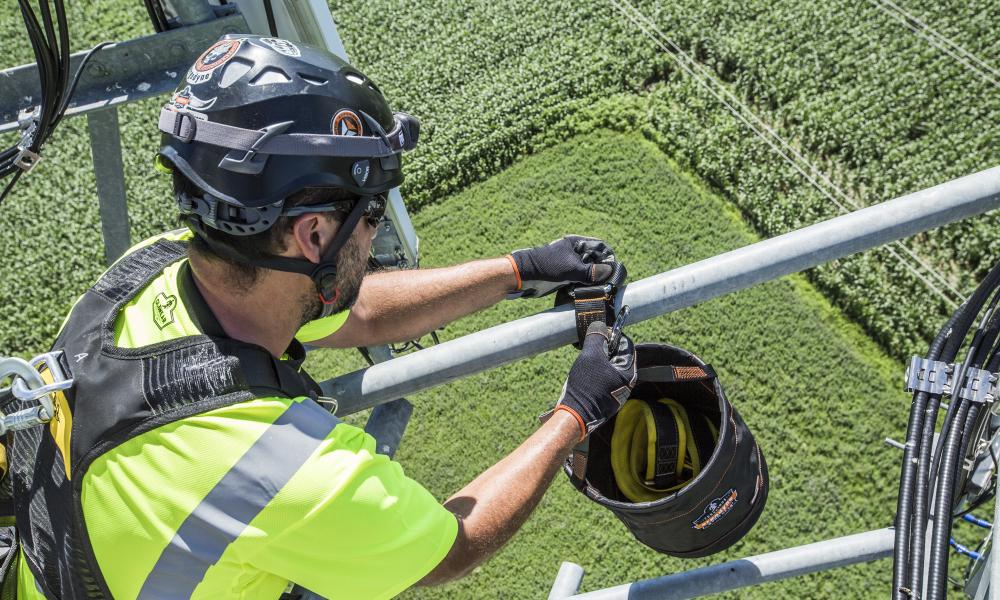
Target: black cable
[[269, 11], [157, 25], [10, 185], [937, 571], [50, 44], [900, 563], [76, 80], [160, 15], [912, 503], [951, 446], [916, 515]]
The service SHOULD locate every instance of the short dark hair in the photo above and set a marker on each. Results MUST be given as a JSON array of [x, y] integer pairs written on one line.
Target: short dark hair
[[259, 245]]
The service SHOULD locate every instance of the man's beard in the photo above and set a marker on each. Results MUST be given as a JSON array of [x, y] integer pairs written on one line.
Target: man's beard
[[351, 262]]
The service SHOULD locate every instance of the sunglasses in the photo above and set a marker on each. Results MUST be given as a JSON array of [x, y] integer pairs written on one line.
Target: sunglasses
[[373, 212]]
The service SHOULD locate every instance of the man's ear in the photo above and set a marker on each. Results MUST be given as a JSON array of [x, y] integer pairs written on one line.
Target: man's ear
[[309, 235], [306, 237]]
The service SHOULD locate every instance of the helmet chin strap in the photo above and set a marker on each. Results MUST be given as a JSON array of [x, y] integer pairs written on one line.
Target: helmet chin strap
[[323, 274]]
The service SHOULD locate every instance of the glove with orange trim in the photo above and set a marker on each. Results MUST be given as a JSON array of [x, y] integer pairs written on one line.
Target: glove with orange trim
[[600, 380], [573, 259]]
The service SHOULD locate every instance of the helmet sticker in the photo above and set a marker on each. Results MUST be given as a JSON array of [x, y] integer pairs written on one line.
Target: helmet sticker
[[185, 100], [360, 171], [217, 55], [715, 510], [345, 122], [282, 47]]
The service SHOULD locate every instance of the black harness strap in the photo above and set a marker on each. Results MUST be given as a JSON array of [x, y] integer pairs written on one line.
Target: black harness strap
[[667, 446], [592, 304]]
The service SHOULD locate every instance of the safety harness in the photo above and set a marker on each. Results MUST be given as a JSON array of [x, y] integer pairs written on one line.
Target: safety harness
[[119, 393], [657, 446]]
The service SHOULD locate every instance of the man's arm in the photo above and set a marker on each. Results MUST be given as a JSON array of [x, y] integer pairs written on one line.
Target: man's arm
[[403, 305], [495, 505]]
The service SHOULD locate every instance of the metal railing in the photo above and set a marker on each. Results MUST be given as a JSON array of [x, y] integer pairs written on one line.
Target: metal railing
[[736, 270], [736, 574]]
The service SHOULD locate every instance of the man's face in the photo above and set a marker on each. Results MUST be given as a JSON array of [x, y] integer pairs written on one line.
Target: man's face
[[352, 263]]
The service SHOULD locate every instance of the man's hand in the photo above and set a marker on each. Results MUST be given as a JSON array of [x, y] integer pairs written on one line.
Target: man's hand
[[572, 259], [598, 385]]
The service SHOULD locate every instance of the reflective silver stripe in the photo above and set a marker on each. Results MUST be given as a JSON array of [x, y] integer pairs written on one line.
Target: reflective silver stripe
[[239, 496]]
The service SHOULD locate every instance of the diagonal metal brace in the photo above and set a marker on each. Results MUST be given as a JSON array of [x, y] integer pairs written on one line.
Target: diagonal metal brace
[[931, 376]]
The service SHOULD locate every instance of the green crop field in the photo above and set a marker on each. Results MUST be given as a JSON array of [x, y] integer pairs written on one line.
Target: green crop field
[[874, 106], [544, 118]]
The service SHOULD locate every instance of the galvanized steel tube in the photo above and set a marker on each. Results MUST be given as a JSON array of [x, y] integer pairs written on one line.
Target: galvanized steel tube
[[736, 270], [773, 566]]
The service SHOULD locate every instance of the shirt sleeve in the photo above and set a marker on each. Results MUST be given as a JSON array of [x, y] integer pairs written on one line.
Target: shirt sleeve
[[351, 524], [321, 328]]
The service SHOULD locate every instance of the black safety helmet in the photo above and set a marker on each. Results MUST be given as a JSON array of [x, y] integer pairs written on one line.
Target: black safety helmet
[[257, 119]]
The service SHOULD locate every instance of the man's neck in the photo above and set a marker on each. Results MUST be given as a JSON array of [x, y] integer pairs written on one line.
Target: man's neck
[[266, 315]]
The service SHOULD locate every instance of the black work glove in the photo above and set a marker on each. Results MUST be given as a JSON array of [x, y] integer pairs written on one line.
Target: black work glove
[[598, 386], [572, 259]]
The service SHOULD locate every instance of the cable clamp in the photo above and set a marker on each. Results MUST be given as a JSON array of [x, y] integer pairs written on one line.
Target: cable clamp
[[979, 387], [931, 376], [26, 159]]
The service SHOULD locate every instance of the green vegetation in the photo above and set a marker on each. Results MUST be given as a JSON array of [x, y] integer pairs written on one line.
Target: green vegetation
[[819, 395], [876, 107]]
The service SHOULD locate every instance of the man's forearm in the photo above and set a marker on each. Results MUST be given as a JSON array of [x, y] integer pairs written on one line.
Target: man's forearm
[[495, 505], [402, 305]]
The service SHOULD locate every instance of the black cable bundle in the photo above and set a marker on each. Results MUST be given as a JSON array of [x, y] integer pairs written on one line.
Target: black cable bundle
[[927, 481], [49, 36]]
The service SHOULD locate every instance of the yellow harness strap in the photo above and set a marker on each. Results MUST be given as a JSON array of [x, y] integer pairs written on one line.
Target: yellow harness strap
[[634, 444]]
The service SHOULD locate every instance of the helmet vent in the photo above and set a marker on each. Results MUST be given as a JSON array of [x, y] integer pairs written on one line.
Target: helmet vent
[[312, 79], [233, 71], [355, 78], [270, 75]]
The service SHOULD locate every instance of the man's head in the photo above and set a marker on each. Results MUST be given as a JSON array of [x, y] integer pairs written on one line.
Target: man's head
[[258, 131], [301, 236]]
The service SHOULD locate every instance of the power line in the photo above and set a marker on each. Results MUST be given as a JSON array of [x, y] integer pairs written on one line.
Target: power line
[[967, 59], [774, 141]]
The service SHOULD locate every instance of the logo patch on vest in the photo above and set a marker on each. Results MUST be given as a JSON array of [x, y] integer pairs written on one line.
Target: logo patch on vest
[[163, 309], [715, 510]]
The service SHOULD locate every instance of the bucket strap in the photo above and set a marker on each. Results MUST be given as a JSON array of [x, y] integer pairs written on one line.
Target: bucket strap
[[676, 374], [592, 304]]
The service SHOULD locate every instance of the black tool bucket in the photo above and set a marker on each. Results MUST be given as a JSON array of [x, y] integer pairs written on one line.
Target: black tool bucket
[[713, 510]]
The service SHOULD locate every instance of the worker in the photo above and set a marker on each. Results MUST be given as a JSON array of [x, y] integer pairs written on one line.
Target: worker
[[193, 457]]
